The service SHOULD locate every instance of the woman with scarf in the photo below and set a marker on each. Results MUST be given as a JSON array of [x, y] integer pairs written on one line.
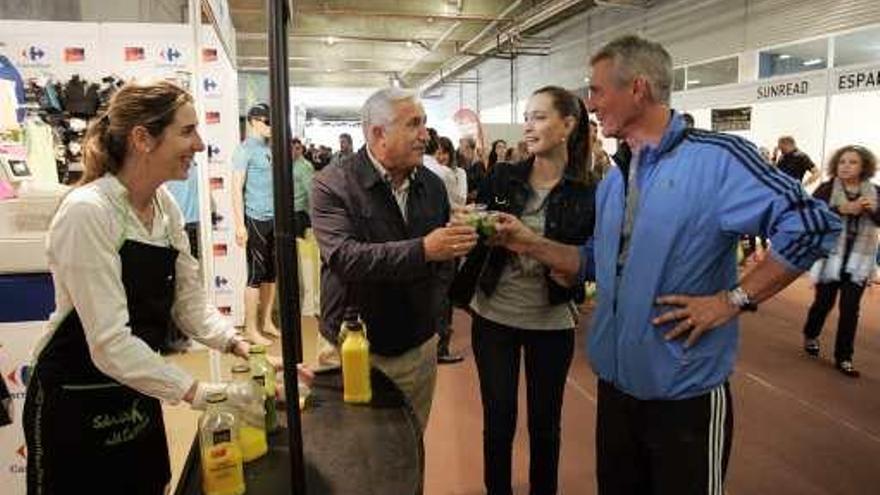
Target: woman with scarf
[[848, 267]]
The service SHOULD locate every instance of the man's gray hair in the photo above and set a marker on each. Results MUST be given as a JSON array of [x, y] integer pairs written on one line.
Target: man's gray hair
[[637, 57], [379, 107]]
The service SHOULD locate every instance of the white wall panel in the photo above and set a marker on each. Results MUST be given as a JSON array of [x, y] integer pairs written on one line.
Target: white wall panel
[[853, 120], [774, 22], [692, 30]]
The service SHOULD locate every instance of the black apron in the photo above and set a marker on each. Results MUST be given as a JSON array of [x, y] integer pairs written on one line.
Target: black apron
[[85, 432]]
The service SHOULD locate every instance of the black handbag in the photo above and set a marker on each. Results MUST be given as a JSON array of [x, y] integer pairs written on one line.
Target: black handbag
[[465, 282]]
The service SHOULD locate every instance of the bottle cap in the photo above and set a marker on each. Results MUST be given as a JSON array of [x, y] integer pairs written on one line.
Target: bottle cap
[[353, 325], [350, 314]]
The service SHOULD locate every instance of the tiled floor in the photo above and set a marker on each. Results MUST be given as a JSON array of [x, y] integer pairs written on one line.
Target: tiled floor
[[801, 427]]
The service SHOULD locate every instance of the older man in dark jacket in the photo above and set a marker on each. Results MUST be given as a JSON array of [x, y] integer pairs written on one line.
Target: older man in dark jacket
[[380, 220]]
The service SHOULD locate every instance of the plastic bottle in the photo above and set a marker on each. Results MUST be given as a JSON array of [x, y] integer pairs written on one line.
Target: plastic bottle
[[355, 362], [264, 374], [252, 413], [222, 466]]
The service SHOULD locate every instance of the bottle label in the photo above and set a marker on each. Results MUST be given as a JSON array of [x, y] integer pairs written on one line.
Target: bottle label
[[222, 436]]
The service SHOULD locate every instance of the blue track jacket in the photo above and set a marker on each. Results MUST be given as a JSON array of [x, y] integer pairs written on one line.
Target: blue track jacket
[[699, 191]]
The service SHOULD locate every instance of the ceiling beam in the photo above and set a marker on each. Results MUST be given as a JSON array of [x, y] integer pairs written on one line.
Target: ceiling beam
[[627, 4], [322, 72], [481, 45], [323, 37], [425, 16]]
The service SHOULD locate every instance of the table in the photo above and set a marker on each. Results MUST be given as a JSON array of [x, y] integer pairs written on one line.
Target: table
[[373, 449]]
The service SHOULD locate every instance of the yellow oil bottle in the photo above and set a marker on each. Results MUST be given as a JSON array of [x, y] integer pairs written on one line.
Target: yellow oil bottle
[[263, 373], [355, 362], [251, 412], [222, 464]]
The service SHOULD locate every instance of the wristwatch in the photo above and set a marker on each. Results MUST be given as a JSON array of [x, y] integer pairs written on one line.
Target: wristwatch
[[740, 299]]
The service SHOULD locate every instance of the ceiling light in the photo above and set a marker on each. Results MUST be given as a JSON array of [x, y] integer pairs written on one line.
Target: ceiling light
[[330, 40], [813, 61], [328, 70], [694, 82], [409, 43], [783, 56]]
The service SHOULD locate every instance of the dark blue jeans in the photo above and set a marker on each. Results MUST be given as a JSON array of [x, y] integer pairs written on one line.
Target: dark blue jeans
[[548, 353]]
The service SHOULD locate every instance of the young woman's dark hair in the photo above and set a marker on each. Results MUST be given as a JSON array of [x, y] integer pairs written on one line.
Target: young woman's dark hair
[[431, 144], [493, 155], [445, 144], [569, 105]]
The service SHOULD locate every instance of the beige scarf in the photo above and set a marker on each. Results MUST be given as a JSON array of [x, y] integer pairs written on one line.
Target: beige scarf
[[860, 263]]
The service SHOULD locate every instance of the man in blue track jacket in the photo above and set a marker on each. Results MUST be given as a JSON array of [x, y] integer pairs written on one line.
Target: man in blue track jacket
[[664, 339]]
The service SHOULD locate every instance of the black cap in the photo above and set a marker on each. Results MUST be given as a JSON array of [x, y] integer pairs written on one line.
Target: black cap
[[258, 111]]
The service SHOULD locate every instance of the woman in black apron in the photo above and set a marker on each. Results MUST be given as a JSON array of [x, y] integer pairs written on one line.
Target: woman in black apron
[[92, 418]]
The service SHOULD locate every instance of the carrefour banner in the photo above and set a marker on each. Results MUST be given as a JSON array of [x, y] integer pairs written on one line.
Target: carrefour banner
[[17, 340], [218, 93], [94, 50], [59, 50]]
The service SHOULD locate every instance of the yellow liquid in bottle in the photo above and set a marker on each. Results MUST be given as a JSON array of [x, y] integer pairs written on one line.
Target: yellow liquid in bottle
[[253, 442], [356, 368], [222, 470]]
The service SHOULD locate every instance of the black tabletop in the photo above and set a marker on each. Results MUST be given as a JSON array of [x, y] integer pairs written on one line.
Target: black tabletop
[[373, 449]]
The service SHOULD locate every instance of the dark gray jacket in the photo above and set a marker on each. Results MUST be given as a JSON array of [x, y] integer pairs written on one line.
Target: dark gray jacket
[[371, 259]]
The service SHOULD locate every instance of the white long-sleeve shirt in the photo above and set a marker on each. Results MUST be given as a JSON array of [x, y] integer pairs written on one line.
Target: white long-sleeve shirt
[[90, 226], [454, 179]]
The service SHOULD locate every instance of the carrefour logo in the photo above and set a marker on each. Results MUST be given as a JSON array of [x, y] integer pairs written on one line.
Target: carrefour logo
[[213, 153], [33, 54], [20, 376], [18, 465], [170, 54], [211, 86]]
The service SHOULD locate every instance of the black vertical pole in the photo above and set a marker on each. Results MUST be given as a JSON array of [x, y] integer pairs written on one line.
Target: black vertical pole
[[285, 240]]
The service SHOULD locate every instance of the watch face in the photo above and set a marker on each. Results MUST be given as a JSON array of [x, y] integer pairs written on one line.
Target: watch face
[[19, 168]]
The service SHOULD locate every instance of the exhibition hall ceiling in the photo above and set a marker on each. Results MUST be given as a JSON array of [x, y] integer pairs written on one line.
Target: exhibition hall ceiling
[[357, 43]]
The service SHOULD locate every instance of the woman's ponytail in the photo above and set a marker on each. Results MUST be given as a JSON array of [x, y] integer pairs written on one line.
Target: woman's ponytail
[[97, 159], [151, 105]]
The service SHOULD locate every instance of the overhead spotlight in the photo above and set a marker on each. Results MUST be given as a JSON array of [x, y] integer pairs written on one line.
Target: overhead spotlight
[[328, 70], [330, 40]]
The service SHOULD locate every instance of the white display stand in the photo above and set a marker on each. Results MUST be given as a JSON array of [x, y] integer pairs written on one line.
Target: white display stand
[[150, 51], [142, 51]]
